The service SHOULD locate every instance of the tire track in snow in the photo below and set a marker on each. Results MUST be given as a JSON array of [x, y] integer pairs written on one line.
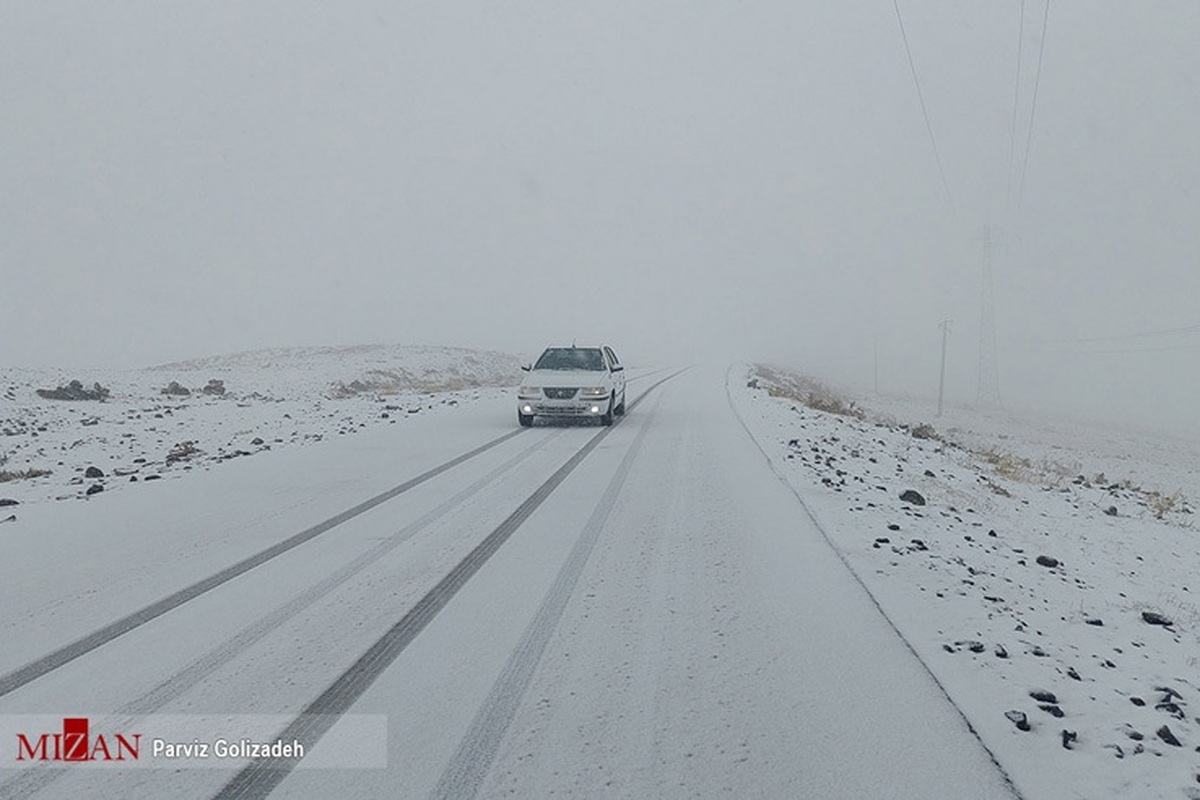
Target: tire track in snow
[[31, 781], [473, 758], [64, 655], [261, 776]]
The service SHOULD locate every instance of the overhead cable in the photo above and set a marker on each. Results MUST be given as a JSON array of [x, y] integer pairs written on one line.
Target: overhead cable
[[1012, 138], [921, 97], [1037, 80]]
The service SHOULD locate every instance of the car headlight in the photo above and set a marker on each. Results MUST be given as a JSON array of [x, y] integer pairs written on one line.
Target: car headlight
[[529, 391], [594, 391]]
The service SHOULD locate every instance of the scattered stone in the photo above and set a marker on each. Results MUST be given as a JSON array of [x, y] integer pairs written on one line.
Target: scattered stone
[[214, 387], [1170, 708], [1137, 701], [4, 501], [182, 452], [1042, 696], [929, 474], [912, 496], [1154, 618], [924, 431], [95, 488], [1099, 623], [1116, 748], [1068, 737], [74, 391], [175, 388], [1047, 561], [1111, 511], [153, 478], [257, 440], [1019, 719], [1051, 709], [1000, 651], [93, 472], [893, 527], [1073, 674], [9, 518], [1167, 736]]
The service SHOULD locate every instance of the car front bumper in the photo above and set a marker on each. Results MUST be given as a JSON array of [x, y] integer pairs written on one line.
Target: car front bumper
[[563, 408]]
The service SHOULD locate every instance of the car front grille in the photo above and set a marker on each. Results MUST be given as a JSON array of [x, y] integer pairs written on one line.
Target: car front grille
[[557, 393]]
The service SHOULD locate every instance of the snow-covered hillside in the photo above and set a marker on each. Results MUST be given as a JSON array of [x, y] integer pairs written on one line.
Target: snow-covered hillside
[[165, 420], [1045, 571]]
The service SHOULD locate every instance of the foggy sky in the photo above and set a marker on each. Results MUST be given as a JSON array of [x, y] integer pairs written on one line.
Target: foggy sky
[[684, 180]]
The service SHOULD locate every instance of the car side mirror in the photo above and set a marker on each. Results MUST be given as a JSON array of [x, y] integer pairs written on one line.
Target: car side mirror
[[618, 368], [524, 368]]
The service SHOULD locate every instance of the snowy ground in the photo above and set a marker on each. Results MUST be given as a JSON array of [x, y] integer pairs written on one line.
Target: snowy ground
[[1108, 513], [664, 620], [271, 398]]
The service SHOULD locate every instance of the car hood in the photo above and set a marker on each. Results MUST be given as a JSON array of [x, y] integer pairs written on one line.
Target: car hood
[[565, 377]]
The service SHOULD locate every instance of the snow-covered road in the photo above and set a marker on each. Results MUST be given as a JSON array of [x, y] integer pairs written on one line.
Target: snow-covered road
[[641, 611]]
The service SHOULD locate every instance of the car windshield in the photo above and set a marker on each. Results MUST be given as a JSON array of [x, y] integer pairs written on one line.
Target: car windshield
[[588, 358]]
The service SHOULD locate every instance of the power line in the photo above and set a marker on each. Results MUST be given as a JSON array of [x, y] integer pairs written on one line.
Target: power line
[[1012, 138], [1130, 350], [1126, 336], [1037, 80], [921, 97], [989, 370]]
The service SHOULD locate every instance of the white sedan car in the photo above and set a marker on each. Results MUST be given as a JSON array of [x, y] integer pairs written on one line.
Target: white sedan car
[[573, 382]]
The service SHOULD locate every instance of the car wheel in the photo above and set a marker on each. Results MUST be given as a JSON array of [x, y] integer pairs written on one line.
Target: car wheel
[[607, 417], [525, 419], [620, 410]]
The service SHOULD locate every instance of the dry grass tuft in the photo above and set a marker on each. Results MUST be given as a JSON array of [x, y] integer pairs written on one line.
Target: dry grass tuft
[[7, 476], [804, 390]]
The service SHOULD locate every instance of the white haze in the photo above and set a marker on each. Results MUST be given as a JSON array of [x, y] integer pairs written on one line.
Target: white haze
[[688, 180]]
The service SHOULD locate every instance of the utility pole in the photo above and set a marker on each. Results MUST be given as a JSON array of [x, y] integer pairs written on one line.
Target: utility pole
[[945, 326], [876, 352], [989, 372]]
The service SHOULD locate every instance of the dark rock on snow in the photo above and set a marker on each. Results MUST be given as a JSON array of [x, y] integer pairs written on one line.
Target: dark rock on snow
[[1018, 718], [95, 488], [74, 391], [912, 496], [94, 472], [1167, 736], [1154, 618], [1047, 561]]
